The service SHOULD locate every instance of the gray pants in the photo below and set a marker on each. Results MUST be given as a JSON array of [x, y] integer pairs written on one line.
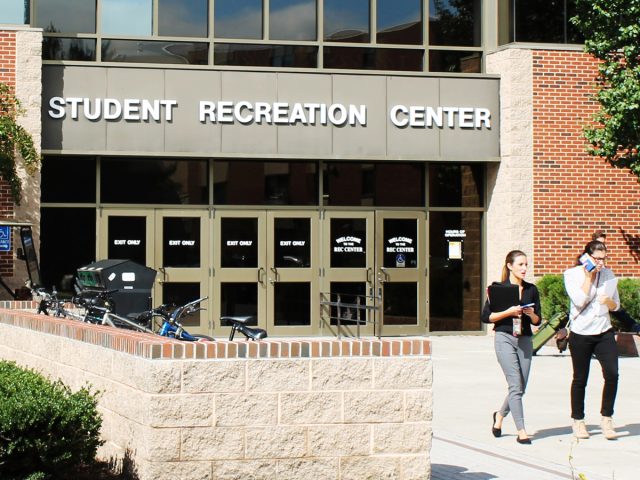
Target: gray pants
[[514, 356]]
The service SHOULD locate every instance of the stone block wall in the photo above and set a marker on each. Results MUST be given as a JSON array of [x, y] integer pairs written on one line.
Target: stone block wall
[[278, 409], [510, 183]]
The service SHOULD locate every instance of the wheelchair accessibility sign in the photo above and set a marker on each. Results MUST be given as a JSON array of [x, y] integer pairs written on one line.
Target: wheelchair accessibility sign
[[5, 238]]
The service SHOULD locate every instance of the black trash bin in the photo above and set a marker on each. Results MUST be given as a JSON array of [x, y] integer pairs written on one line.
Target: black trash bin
[[132, 280]]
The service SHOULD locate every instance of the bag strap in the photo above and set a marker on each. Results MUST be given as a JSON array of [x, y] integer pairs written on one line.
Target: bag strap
[[585, 305]]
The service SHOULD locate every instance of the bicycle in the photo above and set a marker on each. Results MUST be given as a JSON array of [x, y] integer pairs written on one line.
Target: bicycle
[[49, 301], [95, 303], [170, 327], [239, 324]]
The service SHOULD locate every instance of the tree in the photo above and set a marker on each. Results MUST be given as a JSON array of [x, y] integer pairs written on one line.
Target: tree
[[612, 34], [15, 143]]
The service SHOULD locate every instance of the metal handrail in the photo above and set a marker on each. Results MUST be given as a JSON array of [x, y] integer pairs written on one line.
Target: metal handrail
[[359, 306]]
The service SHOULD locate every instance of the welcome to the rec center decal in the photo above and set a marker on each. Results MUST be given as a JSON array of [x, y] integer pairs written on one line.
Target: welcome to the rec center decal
[[269, 113]]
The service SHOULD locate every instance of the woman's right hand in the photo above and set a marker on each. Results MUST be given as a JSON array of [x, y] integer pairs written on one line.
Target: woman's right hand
[[515, 311]]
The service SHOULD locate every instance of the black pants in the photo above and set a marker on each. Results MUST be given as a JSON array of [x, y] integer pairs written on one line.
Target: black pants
[[605, 349]]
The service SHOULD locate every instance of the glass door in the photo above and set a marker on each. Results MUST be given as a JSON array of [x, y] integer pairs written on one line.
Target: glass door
[[181, 256], [401, 272], [172, 242], [292, 273], [348, 268], [266, 266], [126, 235], [239, 267]]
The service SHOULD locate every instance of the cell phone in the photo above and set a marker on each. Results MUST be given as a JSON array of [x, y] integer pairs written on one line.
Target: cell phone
[[527, 305], [585, 260]]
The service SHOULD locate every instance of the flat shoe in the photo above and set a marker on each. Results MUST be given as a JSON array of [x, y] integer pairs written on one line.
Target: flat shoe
[[497, 432], [523, 441]]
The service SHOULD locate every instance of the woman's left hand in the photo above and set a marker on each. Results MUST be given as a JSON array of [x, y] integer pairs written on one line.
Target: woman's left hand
[[608, 301], [530, 312]]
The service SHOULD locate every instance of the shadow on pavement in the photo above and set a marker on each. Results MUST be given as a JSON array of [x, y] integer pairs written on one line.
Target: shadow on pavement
[[558, 431], [629, 430], [633, 430], [441, 471]]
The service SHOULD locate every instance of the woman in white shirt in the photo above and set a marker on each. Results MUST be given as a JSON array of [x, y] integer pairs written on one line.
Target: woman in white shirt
[[592, 289]]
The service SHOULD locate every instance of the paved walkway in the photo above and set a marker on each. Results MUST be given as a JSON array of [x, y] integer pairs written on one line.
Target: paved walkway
[[469, 386]]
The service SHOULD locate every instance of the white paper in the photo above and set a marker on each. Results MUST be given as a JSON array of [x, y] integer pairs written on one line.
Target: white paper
[[455, 250], [610, 287]]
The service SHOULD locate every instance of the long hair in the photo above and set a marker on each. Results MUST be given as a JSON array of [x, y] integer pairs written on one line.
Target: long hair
[[590, 248], [511, 257]]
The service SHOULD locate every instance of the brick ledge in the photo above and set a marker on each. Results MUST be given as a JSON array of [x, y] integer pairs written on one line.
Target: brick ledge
[[155, 347]]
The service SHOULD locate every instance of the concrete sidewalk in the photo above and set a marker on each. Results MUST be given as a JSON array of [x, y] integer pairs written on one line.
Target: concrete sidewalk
[[469, 387]]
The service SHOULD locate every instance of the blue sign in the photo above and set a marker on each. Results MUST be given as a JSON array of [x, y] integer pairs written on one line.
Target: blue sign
[[5, 238]]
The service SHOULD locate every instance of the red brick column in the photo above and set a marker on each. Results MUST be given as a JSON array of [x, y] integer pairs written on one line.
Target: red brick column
[[574, 193], [7, 76]]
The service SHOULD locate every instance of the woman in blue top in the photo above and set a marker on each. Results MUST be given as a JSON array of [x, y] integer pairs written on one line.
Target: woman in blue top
[[513, 344]]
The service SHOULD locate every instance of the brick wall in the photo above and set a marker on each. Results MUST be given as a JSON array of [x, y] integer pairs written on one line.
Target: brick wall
[[21, 68], [8, 57], [574, 193], [273, 410], [8, 76]]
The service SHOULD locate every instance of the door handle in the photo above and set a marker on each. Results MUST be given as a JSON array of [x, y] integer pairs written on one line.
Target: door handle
[[163, 271], [261, 272], [383, 276], [369, 275], [275, 278]]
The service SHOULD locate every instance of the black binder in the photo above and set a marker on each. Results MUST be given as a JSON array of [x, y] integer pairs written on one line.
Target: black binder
[[502, 297]]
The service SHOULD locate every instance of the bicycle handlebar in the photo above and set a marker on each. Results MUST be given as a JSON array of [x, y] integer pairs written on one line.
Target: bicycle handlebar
[[186, 309]]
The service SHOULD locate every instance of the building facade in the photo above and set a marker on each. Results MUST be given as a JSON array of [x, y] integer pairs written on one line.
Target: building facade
[[272, 155]]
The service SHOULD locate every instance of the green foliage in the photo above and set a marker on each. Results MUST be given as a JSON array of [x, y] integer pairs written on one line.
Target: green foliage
[[629, 291], [46, 431], [553, 296], [14, 140], [554, 299], [612, 34]]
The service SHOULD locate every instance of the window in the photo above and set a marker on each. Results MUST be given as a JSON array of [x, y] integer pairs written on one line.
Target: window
[[68, 179], [455, 185], [455, 61], [455, 266], [186, 18], [238, 19], [153, 180], [346, 21], [369, 58], [126, 17], [66, 16], [542, 21], [242, 182], [374, 184], [57, 48], [292, 19], [399, 22], [67, 242], [263, 55], [455, 23], [278, 34], [14, 11], [150, 51]]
